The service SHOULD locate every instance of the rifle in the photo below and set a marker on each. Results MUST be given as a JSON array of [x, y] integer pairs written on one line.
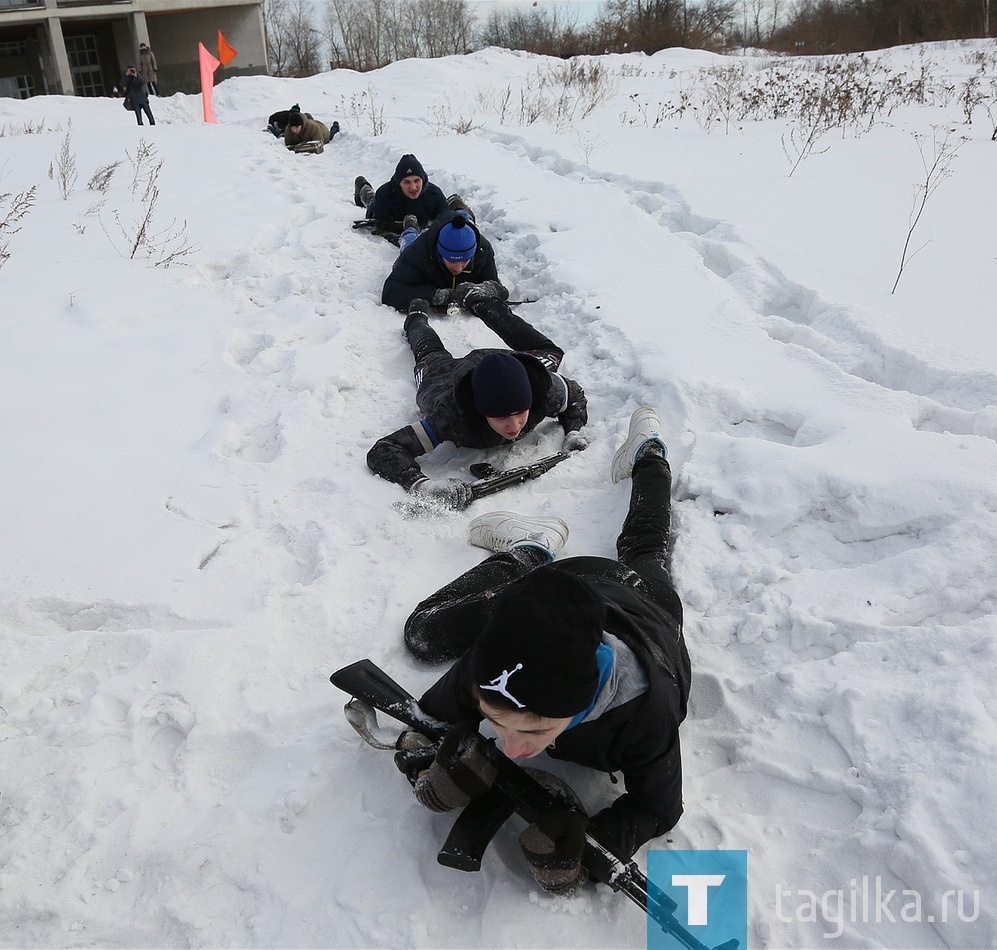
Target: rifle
[[491, 479], [488, 481], [514, 790], [378, 227]]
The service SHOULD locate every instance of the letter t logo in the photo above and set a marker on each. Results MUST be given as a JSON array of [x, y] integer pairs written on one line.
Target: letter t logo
[[698, 885]]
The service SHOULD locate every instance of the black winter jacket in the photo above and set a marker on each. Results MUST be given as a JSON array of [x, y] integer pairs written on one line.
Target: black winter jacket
[[639, 738], [418, 272], [390, 203], [445, 398], [136, 89]]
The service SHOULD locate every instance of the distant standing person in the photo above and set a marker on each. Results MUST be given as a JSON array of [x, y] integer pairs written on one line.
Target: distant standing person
[[148, 67], [136, 90]]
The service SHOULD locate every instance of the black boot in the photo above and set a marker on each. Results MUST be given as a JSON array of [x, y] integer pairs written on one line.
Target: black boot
[[363, 193]]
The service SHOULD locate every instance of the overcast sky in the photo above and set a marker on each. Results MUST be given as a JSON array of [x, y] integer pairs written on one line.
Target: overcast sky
[[585, 9]]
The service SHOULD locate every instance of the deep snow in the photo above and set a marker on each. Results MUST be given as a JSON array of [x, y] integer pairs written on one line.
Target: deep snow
[[193, 542]]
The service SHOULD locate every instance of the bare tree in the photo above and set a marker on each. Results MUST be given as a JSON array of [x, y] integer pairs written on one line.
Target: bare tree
[[368, 34], [549, 32], [651, 25], [759, 18], [358, 32], [853, 25], [293, 44], [274, 20], [445, 27]]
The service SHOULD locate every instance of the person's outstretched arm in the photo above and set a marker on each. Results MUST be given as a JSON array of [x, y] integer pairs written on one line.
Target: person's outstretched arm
[[393, 457]]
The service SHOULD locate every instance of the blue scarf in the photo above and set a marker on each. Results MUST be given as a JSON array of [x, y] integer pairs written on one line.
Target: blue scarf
[[604, 658]]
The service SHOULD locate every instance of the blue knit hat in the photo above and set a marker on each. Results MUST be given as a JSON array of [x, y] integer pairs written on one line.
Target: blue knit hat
[[500, 385], [457, 240]]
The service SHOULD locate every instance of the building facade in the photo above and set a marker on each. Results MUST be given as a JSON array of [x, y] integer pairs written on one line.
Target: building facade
[[82, 47]]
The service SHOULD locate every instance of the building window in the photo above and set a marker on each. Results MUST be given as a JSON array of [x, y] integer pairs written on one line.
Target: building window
[[17, 87], [84, 65], [13, 48]]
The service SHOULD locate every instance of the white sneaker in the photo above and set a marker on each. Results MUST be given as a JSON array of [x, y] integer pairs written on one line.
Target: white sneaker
[[644, 428], [504, 530]]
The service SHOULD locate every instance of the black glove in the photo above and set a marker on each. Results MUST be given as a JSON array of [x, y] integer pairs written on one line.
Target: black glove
[[459, 772], [419, 306], [493, 288], [468, 295], [449, 492], [553, 845], [441, 298], [575, 413], [414, 762]]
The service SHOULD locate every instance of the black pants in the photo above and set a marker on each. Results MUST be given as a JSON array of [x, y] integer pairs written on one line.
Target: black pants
[[515, 332], [445, 624], [144, 108]]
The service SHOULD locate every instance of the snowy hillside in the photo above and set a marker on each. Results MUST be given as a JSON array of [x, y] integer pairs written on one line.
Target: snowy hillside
[[193, 542]]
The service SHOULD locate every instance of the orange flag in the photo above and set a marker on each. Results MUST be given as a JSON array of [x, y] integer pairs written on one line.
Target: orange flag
[[208, 65], [226, 53]]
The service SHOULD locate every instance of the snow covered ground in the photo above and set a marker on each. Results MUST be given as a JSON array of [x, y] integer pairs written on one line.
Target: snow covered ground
[[192, 542]]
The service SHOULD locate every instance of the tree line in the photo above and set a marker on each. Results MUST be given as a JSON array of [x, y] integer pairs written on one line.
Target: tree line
[[304, 39], [849, 26]]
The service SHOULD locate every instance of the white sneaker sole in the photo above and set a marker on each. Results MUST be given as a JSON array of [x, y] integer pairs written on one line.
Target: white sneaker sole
[[501, 530]]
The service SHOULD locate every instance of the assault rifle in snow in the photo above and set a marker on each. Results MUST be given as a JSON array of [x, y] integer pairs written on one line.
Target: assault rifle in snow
[[515, 789], [491, 479], [488, 480]]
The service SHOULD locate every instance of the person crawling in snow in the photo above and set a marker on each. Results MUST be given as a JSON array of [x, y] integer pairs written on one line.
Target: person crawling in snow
[[302, 127], [408, 192], [442, 264], [488, 398], [582, 658]]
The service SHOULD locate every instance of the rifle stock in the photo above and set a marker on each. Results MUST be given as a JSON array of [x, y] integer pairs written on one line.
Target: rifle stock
[[521, 793]]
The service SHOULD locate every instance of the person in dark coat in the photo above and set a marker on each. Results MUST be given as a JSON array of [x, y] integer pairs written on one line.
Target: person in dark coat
[[483, 400], [408, 192], [450, 252], [583, 658], [135, 89], [277, 123]]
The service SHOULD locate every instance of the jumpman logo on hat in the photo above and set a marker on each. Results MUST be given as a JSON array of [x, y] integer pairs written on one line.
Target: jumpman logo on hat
[[500, 683]]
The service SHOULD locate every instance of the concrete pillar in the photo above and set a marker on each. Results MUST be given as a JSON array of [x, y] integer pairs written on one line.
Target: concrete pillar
[[139, 31], [60, 60]]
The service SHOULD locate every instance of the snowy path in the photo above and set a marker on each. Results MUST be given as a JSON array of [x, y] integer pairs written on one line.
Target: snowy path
[[210, 546]]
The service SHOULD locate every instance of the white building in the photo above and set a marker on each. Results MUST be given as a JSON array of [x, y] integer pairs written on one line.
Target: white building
[[82, 47]]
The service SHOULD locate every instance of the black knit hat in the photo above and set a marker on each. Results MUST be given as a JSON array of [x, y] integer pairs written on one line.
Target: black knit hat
[[500, 385], [294, 119], [537, 651], [409, 165]]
